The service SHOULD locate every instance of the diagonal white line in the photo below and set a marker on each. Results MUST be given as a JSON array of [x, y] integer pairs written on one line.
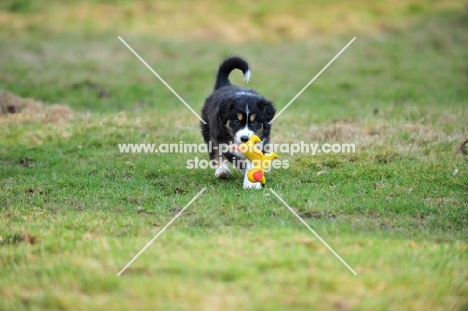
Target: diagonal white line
[[162, 80], [313, 79], [160, 232], [312, 230]]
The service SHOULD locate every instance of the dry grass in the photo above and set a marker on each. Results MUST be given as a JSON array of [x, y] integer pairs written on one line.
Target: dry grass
[[380, 131], [14, 109]]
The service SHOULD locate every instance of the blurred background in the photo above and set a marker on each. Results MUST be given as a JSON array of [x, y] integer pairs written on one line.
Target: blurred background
[[218, 21], [68, 51]]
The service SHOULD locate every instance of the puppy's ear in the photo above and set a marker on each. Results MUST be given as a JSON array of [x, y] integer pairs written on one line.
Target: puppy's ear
[[268, 111], [225, 108]]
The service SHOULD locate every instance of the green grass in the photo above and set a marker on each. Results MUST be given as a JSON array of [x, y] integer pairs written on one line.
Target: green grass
[[74, 211]]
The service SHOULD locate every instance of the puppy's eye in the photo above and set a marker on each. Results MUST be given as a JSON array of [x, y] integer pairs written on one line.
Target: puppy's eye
[[236, 121], [253, 122]]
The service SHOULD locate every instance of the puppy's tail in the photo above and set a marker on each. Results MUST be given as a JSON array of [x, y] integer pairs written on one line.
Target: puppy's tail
[[228, 65]]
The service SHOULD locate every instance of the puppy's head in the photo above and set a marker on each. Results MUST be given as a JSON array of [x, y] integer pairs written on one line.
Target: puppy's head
[[245, 114]]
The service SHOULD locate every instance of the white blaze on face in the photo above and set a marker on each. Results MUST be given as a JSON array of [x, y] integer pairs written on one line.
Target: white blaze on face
[[245, 131]]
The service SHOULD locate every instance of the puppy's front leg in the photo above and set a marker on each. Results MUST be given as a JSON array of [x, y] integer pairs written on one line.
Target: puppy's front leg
[[222, 170]]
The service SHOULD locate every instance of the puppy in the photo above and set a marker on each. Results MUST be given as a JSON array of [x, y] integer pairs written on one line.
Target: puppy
[[233, 114]]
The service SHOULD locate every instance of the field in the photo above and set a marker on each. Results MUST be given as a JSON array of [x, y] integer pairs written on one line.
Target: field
[[74, 210]]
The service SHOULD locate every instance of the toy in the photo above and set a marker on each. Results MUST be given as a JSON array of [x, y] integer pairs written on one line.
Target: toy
[[257, 158]]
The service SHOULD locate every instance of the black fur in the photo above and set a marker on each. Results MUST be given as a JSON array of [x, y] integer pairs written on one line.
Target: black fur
[[222, 108]]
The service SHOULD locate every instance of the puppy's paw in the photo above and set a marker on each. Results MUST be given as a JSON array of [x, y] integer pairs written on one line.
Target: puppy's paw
[[222, 172], [252, 185]]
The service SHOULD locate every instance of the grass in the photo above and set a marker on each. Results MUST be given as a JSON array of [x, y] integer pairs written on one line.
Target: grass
[[74, 210]]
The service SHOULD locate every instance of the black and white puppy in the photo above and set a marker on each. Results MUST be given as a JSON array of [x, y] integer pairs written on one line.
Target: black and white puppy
[[233, 114]]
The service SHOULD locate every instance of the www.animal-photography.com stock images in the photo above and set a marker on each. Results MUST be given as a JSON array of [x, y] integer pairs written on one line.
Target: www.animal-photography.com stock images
[[233, 155]]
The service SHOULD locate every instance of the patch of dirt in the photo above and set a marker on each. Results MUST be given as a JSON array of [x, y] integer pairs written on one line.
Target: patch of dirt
[[175, 210], [26, 162], [141, 210], [19, 109], [25, 237], [318, 215], [463, 147]]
